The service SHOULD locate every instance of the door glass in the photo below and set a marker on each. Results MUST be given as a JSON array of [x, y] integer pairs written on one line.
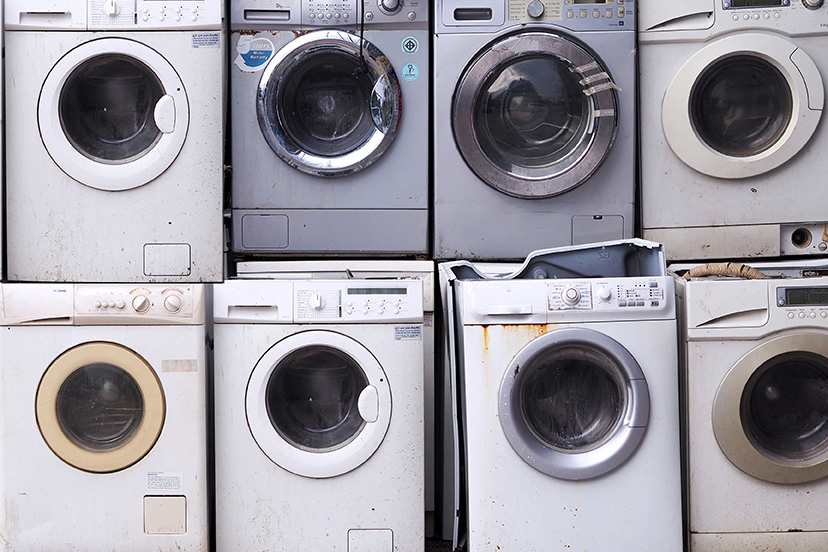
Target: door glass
[[784, 406], [107, 108], [741, 106], [531, 112], [324, 103], [572, 397], [99, 407], [312, 396]]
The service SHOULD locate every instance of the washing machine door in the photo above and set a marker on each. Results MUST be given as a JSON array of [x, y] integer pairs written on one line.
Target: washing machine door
[[574, 404], [743, 105], [535, 114], [318, 404], [100, 407], [113, 114], [770, 414], [329, 104]]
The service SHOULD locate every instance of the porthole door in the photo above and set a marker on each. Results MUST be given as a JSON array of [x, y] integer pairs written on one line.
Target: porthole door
[[743, 105], [770, 414], [318, 404], [100, 407], [113, 114], [574, 404]]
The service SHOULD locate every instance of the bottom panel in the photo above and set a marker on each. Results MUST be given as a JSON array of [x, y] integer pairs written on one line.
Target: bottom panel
[[752, 542]]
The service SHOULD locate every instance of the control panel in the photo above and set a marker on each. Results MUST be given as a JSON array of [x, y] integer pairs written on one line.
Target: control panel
[[326, 13], [575, 13], [135, 304], [358, 300], [803, 302], [606, 295], [796, 17], [154, 14]]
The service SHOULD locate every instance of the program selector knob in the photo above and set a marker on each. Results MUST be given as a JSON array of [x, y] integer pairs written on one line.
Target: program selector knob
[[390, 5], [172, 303], [535, 9], [316, 301], [141, 303], [571, 296], [604, 294], [110, 8], [813, 4]]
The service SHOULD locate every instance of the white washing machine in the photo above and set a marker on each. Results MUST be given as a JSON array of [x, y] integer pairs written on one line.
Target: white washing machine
[[319, 415], [103, 418], [385, 270], [568, 392], [115, 173], [329, 135], [756, 374], [534, 134], [731, 149]]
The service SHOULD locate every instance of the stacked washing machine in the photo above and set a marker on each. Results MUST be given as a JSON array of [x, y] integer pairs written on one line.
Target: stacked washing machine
[[113, 223], [731, 164]]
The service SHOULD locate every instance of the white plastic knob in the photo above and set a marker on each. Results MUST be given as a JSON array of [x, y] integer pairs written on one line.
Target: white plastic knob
[[110, 8], [571, 296], [535, 9], [141, 303], [316, 301], [172, 303], [604, 294]]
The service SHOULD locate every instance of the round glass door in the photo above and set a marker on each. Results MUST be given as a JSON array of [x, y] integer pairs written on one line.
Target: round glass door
[[327, 106], [534, 115], [776, 395], [742, 106], [100, 407], [318, 404], [574, 404], [113, 114]]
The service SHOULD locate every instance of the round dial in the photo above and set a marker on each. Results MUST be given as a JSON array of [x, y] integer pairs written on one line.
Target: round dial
[[604, 294], [316, 301], [172, 303], [813, 4], [141, 303], [110, 8], [535, 9], [571, 296], [390, 6]]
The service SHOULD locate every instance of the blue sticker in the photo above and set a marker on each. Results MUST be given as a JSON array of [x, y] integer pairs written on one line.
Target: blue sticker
[[410, 45], [254, 53], [410, 71]]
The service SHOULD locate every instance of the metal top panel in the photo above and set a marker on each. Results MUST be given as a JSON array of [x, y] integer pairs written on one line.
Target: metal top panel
[[571, 15], [315, 14]]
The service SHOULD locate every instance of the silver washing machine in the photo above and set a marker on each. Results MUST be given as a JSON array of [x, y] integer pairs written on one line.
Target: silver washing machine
[[540, 149], [329, 133]]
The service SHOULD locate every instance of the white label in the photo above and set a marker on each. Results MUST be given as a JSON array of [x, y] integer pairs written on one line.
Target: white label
[[206, 40], [408, 333], [165, 481], [185, 365], [254, 53], [428, 320]]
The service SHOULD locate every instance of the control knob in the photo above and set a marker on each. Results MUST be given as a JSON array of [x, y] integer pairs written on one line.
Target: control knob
[[110, 8], [536, 8], [141, 303], [316, 301], [571, 296], [604, 294], [172, 303], [390, 6], [813, 4]]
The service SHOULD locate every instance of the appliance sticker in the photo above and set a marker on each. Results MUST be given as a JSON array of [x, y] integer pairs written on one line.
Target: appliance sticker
[[185, 365], [428, 320], [410, 71], [408, 333], [206, 40], [254, 53], [410, 45], [165, 481]]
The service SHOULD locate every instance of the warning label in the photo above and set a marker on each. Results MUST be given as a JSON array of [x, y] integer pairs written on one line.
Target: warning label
[[206, 40], [405, 333], [165, 481]]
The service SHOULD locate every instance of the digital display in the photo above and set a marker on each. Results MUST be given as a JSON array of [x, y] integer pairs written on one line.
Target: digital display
[[802, 296], [755, 3], [377, 291], [589, 1]]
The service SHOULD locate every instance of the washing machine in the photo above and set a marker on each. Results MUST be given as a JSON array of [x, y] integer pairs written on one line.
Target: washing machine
[[319, 415], [385, 270], [756, 373], [329, 135], [116, 170], [568, 401], [540, 149], [731, 151], [103, 418]]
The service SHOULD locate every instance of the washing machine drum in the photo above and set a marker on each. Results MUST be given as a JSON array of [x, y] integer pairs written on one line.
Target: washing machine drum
[[770, 414], [100, 407], [574, 404], [535, 114]]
